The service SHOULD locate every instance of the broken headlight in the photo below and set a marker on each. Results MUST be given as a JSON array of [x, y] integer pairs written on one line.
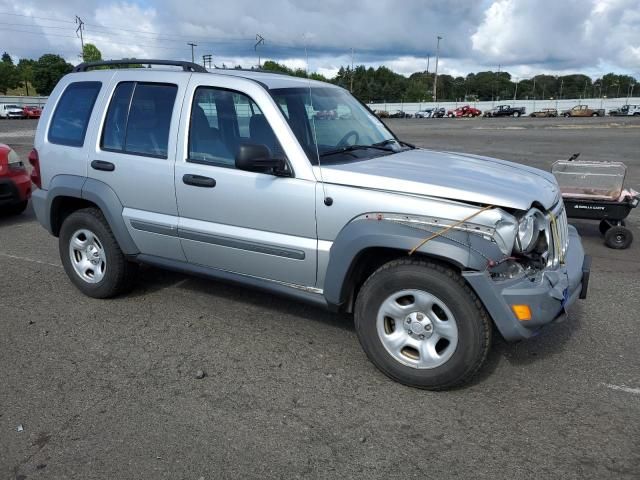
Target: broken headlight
[[530, 227]]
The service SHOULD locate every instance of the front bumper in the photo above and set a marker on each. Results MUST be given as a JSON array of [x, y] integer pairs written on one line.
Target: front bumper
[[547, 294]]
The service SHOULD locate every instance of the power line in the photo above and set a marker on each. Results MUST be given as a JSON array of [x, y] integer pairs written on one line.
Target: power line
[[38, 18], [80, 28]]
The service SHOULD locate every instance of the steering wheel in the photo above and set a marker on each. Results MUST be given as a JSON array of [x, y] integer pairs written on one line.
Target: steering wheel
[[343, 141]]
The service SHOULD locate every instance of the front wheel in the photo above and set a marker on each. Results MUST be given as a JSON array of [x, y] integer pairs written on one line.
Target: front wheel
[[594, 115], [421, 324], [516, 114], [91, 256]]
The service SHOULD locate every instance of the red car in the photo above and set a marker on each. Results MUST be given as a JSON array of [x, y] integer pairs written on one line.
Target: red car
[[31, 112], [465, 111], [15, 183]]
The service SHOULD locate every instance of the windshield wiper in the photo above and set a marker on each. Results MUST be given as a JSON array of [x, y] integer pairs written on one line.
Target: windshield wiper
[[351, 148], [393, 140]]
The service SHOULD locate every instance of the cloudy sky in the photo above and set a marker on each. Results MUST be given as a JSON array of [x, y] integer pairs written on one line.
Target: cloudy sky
[[524, 37]]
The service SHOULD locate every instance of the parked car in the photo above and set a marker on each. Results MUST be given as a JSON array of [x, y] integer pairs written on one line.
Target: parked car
[[8, 110], [428, 250], [400, 114], [31, 112], [545, 112], [381, 113], [625, 111], [15, 184], [426, 113], [505, 111], [439, 113], [465, 111], [583, 111]]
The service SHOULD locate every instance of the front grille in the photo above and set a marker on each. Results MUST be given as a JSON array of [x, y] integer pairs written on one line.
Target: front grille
[[558, 235]]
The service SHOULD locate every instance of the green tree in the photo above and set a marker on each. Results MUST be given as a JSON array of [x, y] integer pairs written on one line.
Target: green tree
[[24, 72], [8, 77], [90, 53], [47, 71]]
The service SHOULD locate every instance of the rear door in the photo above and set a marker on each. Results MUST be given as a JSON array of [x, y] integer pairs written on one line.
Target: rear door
[[255, 224], [134, 154]]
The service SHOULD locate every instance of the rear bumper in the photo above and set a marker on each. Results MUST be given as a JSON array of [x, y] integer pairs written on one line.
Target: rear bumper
[[548, 294], [15, 189]]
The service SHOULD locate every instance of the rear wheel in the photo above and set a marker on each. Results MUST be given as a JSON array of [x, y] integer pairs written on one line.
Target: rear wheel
[[421, 325], [91, 256], [516, 114], [618, 237], [594, 114]]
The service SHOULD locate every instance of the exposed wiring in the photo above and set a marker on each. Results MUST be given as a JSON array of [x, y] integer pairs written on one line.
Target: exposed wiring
[[445, 230]]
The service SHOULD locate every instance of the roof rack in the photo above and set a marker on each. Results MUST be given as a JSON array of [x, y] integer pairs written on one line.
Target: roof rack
[[186, 66]]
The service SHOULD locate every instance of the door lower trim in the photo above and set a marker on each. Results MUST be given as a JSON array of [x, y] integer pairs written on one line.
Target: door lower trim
[[301, 292], [241, 244]]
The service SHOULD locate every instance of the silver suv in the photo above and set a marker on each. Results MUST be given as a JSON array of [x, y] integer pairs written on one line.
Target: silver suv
[[242, 176]]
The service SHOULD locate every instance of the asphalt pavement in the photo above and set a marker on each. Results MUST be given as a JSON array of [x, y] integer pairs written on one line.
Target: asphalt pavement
[[107, 389]]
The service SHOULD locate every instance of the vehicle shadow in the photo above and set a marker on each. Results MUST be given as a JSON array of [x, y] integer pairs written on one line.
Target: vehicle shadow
[[153, 279]]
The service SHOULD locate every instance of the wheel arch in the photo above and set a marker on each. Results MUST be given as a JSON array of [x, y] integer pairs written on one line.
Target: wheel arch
[[69, 193], [365, 245]]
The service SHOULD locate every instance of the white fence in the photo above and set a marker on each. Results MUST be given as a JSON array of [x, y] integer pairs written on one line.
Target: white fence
[[23, 100], [530, 105]]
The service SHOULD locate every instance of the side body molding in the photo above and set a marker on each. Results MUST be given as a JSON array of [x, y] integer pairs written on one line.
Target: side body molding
[[468, 251]]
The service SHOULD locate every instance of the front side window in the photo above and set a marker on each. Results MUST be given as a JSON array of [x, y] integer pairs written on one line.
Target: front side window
[[221, 120], [327, 120], [139, 119], [71, 118]]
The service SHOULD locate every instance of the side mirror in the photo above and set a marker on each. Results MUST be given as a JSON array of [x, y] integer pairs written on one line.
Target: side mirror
[[255, 157]]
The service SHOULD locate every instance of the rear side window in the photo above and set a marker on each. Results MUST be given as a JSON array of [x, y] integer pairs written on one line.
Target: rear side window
[[139, 118], [70, 120]]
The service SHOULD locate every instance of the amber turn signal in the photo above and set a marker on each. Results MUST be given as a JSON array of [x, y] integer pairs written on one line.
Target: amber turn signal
[[523, 312]]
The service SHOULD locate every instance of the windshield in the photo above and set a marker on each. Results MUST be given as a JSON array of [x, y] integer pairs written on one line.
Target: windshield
[[345, 130]]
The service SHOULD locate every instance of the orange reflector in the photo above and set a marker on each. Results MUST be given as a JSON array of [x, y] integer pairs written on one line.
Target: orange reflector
[[523, 312]]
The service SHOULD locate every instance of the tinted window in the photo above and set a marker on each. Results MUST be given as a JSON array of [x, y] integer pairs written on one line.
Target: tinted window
[[139, 119], [222, 120], [115, 126], [70, 120]]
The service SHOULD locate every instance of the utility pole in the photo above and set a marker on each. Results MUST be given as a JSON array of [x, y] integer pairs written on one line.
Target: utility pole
[[192, 45], [435, 79], [428, 58], [79, 31], [206, 59], [351, 88], [515, 93], [259, 41]]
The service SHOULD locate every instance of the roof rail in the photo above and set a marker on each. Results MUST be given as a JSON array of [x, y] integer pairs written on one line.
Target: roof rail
[[186, 66]]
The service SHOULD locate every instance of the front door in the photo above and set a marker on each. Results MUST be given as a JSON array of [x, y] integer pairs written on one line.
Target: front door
[[255, 224]]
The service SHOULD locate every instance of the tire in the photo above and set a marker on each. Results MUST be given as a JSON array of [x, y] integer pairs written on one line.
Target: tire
[[401, 286], [516, 114], [111, 274], [595, 115], [618, 237], [566, 115]]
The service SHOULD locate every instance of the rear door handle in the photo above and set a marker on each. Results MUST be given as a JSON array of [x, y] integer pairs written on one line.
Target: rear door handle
[[199, 181], [102, 165]]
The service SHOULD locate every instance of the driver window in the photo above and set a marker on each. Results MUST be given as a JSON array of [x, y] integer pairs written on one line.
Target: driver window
[[221, 120]]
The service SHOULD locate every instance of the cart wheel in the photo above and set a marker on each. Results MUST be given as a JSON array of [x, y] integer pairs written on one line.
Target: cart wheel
[[604, 226], [618, 237]]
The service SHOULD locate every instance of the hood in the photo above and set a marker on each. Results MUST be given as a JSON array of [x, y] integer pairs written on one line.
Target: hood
[[455, 176]]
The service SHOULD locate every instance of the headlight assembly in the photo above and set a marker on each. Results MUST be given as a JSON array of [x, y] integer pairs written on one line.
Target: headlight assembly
[[530, 225]]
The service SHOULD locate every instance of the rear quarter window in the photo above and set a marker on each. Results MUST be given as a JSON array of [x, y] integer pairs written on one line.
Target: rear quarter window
[[71, 117]]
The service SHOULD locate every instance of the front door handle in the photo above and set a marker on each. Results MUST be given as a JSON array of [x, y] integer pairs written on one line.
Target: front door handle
[[199, 181], [102, 165]]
